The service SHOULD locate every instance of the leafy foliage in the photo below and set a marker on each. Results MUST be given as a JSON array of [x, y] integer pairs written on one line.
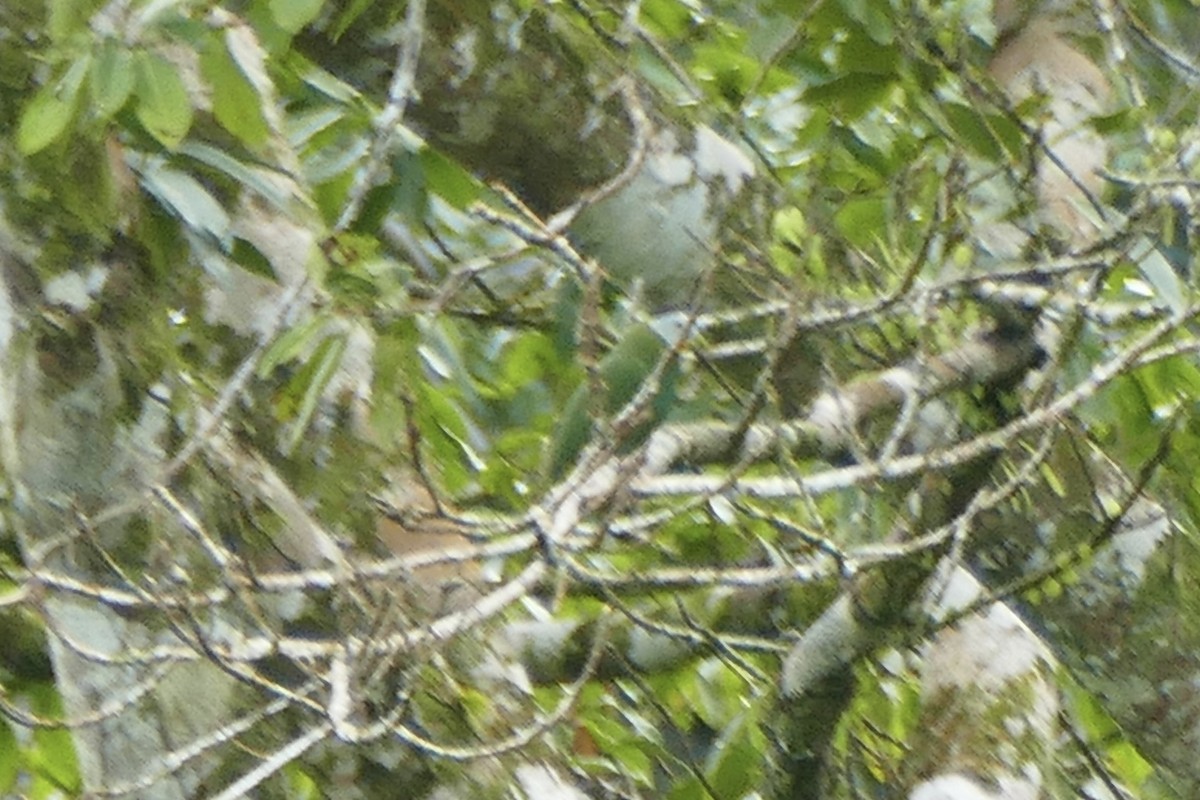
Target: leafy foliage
[[358, 268]]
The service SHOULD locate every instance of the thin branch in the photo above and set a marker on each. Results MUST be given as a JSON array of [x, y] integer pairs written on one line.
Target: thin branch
[[275, 762], [389, 119]]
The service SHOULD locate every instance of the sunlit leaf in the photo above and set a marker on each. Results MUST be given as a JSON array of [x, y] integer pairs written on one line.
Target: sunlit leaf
[[789, 226], [1052, 480], [736, 759], [668, 17], [301, 784], [616, 741], [51, 110], [449, 180], [163, 105], [527, 358], [732, 71], [1128, 764], [43, 121], [52, 757], [111, 78], [66, 18], [236, 103], [862, 220], [10, 757], [292, 15]]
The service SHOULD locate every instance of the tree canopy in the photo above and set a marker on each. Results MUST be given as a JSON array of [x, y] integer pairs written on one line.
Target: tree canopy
[[580, 399]]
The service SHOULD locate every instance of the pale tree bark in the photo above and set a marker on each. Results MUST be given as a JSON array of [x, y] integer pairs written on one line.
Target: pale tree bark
[[67, 457], [990, 705], [152, 715]]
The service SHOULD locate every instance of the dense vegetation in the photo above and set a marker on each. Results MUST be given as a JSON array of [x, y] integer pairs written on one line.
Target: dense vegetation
[[504, 398]]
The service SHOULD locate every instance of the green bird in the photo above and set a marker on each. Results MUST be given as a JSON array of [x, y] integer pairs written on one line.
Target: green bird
[[623, 370]]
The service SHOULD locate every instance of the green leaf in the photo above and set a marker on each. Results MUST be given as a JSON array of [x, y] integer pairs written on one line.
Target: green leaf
[[853, 94], [874, 18], [735, 763], [292, 15], [300, 784], [862, 221], [164, 108], [327, 83], [972, 129], [1089, 713], [9, 758], [526, 360], [51, 110], [251, 259], [52, 757], [623, 370], [319, 370], [43, 121], [237, 105], [448, 180], [410, 195], [263, 181], [732, 71], [689, 789], [1167, 285], [336, 162], [348, 17], [292, 344], [186, 197], [111, 79], [789, 226], [304, 126], [618, 741], [1053, 482], [65, 18], [668, 18], [442, 423], [1128, 764]]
